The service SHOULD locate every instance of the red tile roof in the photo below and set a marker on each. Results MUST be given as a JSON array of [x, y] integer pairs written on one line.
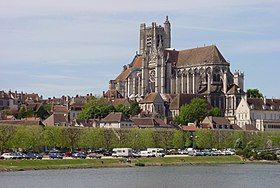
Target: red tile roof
[[115, 117], [191, 128]]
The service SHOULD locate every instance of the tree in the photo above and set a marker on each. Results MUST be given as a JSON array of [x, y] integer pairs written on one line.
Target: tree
[[96, 108], [134, 108], [216, 112], [204, 138], [28, 137], [124, 109], [53, 136], [42, 112], [254, 93], [71, 135], [6, 134], [179, 139], [195, 111]]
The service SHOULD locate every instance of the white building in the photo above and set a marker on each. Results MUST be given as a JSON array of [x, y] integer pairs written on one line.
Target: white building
[[261, 112], [116, 120]]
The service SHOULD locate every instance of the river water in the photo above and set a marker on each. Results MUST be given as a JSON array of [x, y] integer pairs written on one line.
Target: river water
[[229, 176]]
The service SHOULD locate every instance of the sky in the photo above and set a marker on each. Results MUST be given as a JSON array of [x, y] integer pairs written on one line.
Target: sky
[[70, 47]]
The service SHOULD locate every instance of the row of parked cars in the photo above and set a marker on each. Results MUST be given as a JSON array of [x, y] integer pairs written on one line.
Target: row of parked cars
[[116, 152], [80, 154], [18, 155], [207, 152]]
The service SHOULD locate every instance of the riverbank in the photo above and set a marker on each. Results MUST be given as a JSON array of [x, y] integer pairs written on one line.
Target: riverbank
[[21, 165]]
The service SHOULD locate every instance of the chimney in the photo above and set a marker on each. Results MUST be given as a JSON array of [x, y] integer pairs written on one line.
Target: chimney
[[264, 100]]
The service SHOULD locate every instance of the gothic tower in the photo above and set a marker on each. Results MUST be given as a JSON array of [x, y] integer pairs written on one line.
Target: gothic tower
[[153, 41]]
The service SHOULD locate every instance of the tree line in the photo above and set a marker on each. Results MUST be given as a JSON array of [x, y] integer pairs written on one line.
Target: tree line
[[36, 137]]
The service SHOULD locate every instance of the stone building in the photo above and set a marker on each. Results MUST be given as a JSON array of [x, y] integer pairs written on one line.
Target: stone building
[[158, 68], [262, 113]]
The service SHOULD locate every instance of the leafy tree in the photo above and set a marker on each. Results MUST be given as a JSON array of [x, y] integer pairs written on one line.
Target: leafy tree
[[195, 111], [22, 113], [28, 137], [6, 134], [96, 108], [53, 136], [123, 109], [71, 135], [204, 138], [188, 139], [254, 93], [216, 112], [179, 139], [42, 112], [110, 139], [90, 138], [134, 108]]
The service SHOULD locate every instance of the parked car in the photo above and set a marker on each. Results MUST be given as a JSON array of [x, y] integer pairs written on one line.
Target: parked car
[[199, 153], [9, 156], [55, 156], [80, 155], [103, 151], [34, 156], [95, 155], [23, 156], [157, 152]]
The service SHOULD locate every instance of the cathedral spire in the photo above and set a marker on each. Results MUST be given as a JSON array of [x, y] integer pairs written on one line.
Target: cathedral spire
[[166, 20], [167, 30]]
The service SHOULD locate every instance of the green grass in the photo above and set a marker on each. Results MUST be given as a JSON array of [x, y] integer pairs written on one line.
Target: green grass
[[190, 160], [6, 165]]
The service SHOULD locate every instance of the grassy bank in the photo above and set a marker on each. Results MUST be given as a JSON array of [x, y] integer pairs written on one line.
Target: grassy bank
[[10, 165]]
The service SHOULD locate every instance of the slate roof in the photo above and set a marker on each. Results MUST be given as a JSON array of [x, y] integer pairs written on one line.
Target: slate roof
[[150, 98], [259, 104], [196, 56], [118, 102], [115, 117], [234, 90], [136, 64], [58, 108], [112, 93], [219, 120], [149, 122], [20, 122], [250, 128], [55, 119], [236, 127], [3, 95]]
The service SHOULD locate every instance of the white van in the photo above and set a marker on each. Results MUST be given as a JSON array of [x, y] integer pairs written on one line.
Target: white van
[[122, 152], [157, 152], [147, 154]]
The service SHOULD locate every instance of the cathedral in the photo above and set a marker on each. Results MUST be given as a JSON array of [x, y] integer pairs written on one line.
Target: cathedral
[[159, 68]]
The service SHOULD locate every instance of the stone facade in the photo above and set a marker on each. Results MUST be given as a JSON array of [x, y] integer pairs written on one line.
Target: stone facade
[[264, 113], [159, 69]]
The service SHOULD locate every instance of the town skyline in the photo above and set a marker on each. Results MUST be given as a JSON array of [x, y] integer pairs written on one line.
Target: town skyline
[[58, 48]]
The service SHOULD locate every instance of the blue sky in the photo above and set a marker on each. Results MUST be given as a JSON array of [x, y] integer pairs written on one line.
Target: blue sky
[[70, 47]]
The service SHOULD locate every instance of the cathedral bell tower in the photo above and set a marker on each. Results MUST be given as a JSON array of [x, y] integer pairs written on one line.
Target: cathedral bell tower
[[153, 40]]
